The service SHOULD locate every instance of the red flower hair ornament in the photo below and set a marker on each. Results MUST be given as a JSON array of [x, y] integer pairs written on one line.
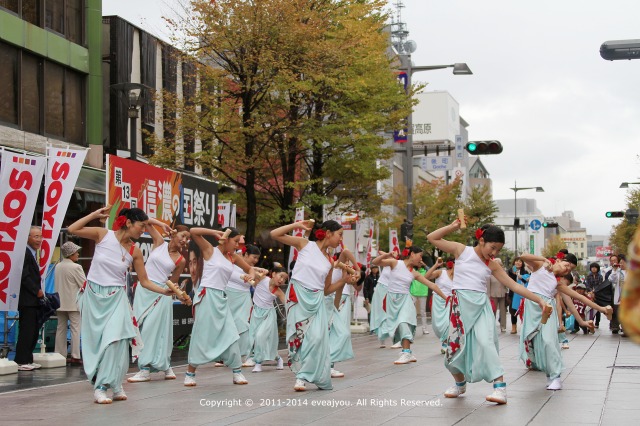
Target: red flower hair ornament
[[560, 255], [405, 253], [479, 233], [243, 249], [320, 234], [119, 222], [449, 264]]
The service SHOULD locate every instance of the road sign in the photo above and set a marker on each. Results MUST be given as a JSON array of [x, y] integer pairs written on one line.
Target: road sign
[[459, 149], [535, 224], [532, 244], [439, 163]]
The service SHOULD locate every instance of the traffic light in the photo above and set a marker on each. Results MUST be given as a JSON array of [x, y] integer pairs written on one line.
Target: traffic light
[[483, 147], [614, 214], [550, 224]]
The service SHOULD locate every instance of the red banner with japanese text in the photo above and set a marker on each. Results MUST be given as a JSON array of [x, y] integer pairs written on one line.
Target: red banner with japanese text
[[169, 196]]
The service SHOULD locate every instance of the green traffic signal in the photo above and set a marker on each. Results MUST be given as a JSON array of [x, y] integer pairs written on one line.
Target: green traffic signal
[[483, 147], [614, 214], [550, 224]]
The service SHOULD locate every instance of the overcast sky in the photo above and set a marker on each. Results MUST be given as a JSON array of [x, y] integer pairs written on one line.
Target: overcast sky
[[569, 121]]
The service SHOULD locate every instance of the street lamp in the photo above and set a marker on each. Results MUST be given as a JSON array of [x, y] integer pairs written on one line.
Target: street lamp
[[626, 184], [406, 66], [135, 96], [516, 221]]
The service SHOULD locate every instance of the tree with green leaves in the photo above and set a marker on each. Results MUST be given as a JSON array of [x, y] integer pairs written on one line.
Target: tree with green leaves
[[436, 204], [295, 98]]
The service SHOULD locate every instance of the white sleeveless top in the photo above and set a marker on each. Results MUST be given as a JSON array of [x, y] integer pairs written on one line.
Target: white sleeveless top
[[543, 282], [471, 272], [400, 278], [107, 267], [312, 267], [216, 271], [335, 276], [384, 277], [160, 264], [262, 296], [237, 283], [445, 283]]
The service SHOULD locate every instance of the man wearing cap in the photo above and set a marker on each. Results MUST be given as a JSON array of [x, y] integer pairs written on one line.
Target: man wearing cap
[[69, 278]]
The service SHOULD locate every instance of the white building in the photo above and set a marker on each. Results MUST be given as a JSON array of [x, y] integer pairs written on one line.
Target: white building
[[530, 235]]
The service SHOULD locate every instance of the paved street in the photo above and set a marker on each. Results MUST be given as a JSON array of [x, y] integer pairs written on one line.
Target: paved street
[[601, 384]]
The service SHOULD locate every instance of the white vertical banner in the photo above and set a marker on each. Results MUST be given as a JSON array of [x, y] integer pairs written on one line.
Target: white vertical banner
[[369, 245], [224, 210], [63, 169], [393, 240], [20, 179], [232, 216], [293, 253]]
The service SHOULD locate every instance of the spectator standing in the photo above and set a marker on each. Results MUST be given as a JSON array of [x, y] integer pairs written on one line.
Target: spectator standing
[[497, 294], [29, 303], [420, 293], [601, 289], [519, 274], [69, 279], [616, 277], [370, 283]]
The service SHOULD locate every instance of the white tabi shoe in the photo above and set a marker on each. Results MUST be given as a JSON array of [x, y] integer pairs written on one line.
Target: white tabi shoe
[[396, 345], [249, 362], [299, 386], [280, 365], [120, 395], [455, 391], [141, 376], [100, 396], [190, 379], [239, 379], [556, 384], [499, 395], [335, 374], [257, 368], [169, 374]]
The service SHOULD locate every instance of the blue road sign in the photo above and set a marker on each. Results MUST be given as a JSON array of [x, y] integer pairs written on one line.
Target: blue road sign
[[535, 224]]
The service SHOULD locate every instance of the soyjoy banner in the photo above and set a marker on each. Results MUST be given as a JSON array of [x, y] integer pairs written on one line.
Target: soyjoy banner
[[20, 179], [63, 169], [166, 195]]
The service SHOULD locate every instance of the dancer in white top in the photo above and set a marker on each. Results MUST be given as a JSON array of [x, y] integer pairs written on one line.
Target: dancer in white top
[[338, 304], [105, 344], [472, 344], [154, 313], [539, 346], [214, 335], [439, 312], [263, 326], [307, 325], [401, 311], [239, 294]]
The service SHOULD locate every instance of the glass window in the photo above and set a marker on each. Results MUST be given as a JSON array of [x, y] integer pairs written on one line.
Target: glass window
[[73, 107], [31, 11], [54, 15], [53, 99], [30, 93], [74, 21], [11, 5], [8, 84]]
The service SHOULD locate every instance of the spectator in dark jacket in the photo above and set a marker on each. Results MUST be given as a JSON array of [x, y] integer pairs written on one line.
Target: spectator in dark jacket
[[29, 303], [370, 283], [600, 287]]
